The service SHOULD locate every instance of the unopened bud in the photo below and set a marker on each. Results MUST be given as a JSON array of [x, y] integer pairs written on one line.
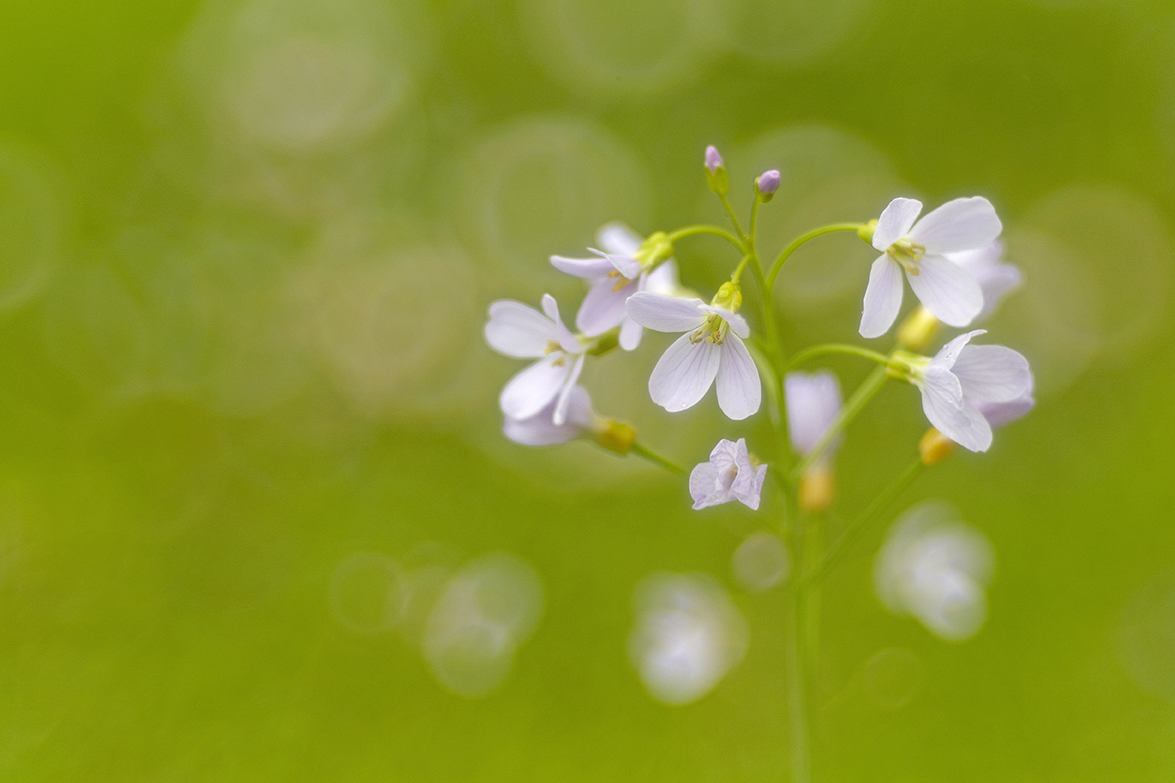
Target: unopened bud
[[616, 436], [935, 447], [716, 176], [767, 184], [729, 296], [918, 329], [866, 231], [817, 488]]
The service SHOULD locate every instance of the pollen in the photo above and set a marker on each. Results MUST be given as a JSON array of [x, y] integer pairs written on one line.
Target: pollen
[[908, 254]]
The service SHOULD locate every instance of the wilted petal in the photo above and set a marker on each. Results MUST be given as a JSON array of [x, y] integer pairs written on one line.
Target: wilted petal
[[883, 297], [665, 313], [583, 267], [603, 307], [992, 373], [530, 390], [895, 222], [748, 487], [962, 224], [947, 290], [519, 331], [704, 487], [619, 239], [739, 389], [684, 373]]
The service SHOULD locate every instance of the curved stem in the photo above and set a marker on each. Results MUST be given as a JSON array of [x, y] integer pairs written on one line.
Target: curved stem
[[827, 348], [656, 459], [787, 251], [690, 231], [861, 397], [863, 520]]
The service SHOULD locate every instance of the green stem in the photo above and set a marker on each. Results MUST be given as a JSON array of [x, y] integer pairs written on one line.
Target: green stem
[[787, 251], [827, 348], [690, 231], [799, 718], [754, 220], [863, 521], [861, 397], [738, 271], [656, 459], [733, 218]]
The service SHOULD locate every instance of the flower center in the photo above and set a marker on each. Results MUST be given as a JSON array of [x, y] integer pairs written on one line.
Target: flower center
[[907, 253], [622, 282], [712, 331]]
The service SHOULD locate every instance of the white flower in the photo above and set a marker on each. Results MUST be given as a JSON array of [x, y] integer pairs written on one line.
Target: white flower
[[541, 429], [1000, 413], [813, 403], [522, 332], [952, 295], [995, 279], [616, 274], [711, 349], [962, 377], [729, 475]]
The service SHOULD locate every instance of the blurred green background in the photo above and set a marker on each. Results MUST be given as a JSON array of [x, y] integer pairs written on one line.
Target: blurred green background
[[257, 518]]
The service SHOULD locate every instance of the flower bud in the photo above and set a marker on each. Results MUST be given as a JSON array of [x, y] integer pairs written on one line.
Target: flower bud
[[767, 184], [615, 436], [935, 447], [866, 231], [716, 176], [729, 296], [919, 328]]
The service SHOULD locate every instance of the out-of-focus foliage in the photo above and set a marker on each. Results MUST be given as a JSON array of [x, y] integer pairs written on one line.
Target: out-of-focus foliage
[[257, 518]]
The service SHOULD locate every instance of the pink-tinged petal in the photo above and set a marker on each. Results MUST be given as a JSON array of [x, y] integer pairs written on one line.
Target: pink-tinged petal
[[704, 487], [947, 290], [947, 355], [603, 307], [519, 331], [883, 297], [583, 267], [992, 373], [739, 389], [725, 457], [541, 430], [1000, 413], [813, 403], [619, 239], [561, 402], [738, 324], [529, 391], [748, 487], [895, 222], [630, 334], [962, 224], [684, 373], [997, 280], [663, 313], [663, 279], [625, 265]]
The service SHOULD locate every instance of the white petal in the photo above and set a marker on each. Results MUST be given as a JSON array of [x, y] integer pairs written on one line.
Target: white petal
[[883, 297], [895, 222], [583, 267], [603, 307], [563, 336], [949, 353], [947, 290], [684, 373], [976, 436], [519, 331], [704, 487], [738, 324], [995, 279], [748, 489], [663, 279], [725, 457], [739, 389], [630, 334], [625, 265], [962, 224], [560, 414], [530, 390], [551, 308], [951, 414], [1000, 413], [665, 313], [992, 373], [619, 239], [813, 403], [540, 430]]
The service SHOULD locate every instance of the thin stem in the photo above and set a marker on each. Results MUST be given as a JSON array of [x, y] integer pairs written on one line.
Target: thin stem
[[656, 459], [733, 218], [863, 521], [826, 348], [754, 220], [797, 674], [787, 251], [690, 231], [738, 271], [861, 397]]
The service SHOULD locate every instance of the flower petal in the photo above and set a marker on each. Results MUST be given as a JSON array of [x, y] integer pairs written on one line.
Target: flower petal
[[583, 267], [738, 324], [883, 297], [560, 414], [748, 487], [603, 307], [519, 331], [992, 373], [739, 389], [895, 222], [619, 239], [625, 265], [951, 414], [663, 279], [630, 334], [813, 402], [947, 290], [704, 487], [664, 313], [962, 224], [1000, 413], [684, 373], [529, 391], [947, 355], [541, 430]]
